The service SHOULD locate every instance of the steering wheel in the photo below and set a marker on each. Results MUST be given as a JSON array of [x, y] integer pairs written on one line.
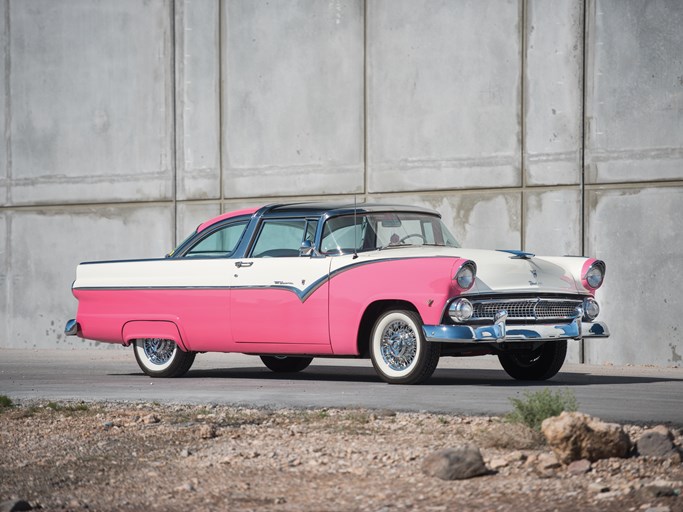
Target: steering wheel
[[424, 240]]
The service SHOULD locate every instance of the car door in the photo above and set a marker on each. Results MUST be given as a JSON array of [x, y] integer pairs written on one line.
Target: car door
[[279, 299], [202, 307]]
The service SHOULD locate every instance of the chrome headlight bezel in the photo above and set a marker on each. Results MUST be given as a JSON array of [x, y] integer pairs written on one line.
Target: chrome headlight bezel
[[460, 310], [466, 275], [594, 275], [591, 309]]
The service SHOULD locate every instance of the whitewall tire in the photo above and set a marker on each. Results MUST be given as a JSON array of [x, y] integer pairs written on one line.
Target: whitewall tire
[[399, 352], [162, 358]]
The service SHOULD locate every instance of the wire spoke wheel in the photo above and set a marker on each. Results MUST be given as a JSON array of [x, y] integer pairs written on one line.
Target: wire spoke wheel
[[399, 352], [398, 345], [158, 351]]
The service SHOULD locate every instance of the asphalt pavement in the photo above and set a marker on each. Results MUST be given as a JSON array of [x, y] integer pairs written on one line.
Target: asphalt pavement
[[643, 395]]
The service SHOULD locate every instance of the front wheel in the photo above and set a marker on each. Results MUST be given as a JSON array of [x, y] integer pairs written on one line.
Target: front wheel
[[285, 364], [399, 351], [162, 358], [540, 364]]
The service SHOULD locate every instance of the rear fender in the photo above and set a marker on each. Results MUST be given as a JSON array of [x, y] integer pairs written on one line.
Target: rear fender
[[138, 329]]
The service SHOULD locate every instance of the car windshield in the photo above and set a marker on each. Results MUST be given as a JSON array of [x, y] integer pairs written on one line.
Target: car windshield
[[373, 231]]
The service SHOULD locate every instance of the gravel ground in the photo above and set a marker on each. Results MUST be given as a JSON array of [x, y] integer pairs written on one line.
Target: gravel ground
[[113, 456]]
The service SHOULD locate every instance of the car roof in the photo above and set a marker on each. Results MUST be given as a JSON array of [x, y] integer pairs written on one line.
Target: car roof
[[316, 209], [228, 215], [339, 208]]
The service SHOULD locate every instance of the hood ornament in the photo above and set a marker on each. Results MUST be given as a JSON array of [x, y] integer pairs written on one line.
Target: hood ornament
[[518, 255]]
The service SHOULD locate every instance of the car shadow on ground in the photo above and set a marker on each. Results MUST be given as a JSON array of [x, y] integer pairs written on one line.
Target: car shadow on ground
[[441, 377]]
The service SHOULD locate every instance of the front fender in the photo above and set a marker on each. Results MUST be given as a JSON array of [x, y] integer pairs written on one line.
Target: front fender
[[424, 282]]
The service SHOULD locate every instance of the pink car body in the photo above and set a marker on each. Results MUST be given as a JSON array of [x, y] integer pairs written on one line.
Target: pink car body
[[293, 282]]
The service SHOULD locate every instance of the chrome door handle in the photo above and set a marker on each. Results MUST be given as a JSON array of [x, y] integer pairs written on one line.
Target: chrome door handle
[[240, 264]]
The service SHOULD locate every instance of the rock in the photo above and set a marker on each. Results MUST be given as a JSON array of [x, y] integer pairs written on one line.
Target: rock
[[544, 465], [516, 456], [660, 488], [463, 461], [576, 436], [15, 506], [498, 463], [150, 419], [185, 453], [548, 461], [657, 442], [207, 431], [579, 467], [597, 487]]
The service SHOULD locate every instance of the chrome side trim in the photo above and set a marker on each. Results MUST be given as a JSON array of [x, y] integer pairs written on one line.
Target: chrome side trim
[[500, 332], [72, 328]]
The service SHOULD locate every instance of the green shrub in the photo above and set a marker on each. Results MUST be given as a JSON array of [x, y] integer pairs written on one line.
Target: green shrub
[[5, 402], [539, 405]]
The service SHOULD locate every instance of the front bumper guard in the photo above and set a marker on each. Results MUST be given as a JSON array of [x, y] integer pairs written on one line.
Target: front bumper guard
[[500, 332]]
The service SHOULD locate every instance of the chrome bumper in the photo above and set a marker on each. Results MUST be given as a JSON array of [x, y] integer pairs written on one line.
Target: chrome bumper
[[72, 328], [500, 332]]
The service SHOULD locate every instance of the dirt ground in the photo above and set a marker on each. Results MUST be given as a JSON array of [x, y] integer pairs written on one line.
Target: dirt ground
[[123, 456]]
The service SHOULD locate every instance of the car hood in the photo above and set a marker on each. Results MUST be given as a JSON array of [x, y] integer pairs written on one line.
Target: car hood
[[502, 272]]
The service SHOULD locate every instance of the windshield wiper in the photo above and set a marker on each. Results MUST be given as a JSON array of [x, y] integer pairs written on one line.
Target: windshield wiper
[[394, 246]]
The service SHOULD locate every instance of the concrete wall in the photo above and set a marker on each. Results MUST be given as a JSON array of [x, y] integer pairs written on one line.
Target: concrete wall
[[554, 127]]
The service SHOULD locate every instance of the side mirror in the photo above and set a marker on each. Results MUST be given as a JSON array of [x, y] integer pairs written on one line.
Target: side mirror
[[306, 248]]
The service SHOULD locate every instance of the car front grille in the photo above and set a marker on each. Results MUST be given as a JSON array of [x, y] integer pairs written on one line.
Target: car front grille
[[528, 309]]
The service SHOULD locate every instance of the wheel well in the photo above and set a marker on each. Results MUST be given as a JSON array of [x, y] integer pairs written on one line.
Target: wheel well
[[372, 312]]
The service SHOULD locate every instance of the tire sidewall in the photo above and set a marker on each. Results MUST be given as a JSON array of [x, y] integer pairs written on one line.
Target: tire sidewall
[[386, 372], [548, 364]]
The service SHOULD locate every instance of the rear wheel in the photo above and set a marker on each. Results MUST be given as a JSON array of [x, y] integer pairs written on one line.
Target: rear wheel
[[540, 364], [162, 358], [399, 351], [286, 364]]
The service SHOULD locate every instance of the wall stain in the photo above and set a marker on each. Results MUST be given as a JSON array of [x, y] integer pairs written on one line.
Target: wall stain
[[675, 356]]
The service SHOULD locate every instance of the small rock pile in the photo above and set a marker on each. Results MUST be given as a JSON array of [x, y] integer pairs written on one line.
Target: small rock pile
[[577, 441]]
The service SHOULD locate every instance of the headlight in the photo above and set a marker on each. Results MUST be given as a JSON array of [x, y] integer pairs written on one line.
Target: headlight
[[590, 309], [460, 310], [466, 275], [595, 275]]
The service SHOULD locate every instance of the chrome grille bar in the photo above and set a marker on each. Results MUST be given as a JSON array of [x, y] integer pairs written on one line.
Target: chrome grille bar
[[534, 308]]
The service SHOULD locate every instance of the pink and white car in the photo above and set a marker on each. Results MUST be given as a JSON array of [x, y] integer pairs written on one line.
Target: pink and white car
[[290, 282]]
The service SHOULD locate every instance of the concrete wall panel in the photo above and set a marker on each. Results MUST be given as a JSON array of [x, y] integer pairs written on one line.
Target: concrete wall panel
[[293, 98], [40, 260], [191, 215], [553, 92], [197, 96], [5, 277], [638, 234], [477, 219], [90, 98], [4, 114], [552, 222], [634, 102], [440, 115]]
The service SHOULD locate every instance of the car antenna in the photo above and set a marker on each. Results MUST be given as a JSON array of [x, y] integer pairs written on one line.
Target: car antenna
[[355, 233]]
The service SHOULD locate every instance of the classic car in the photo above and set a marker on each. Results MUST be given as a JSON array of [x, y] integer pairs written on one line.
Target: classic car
[[290, 282]]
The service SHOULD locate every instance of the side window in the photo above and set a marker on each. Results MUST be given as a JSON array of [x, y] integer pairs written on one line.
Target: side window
[[219, 243], [279, 238], [311, 228], [343, 235]]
